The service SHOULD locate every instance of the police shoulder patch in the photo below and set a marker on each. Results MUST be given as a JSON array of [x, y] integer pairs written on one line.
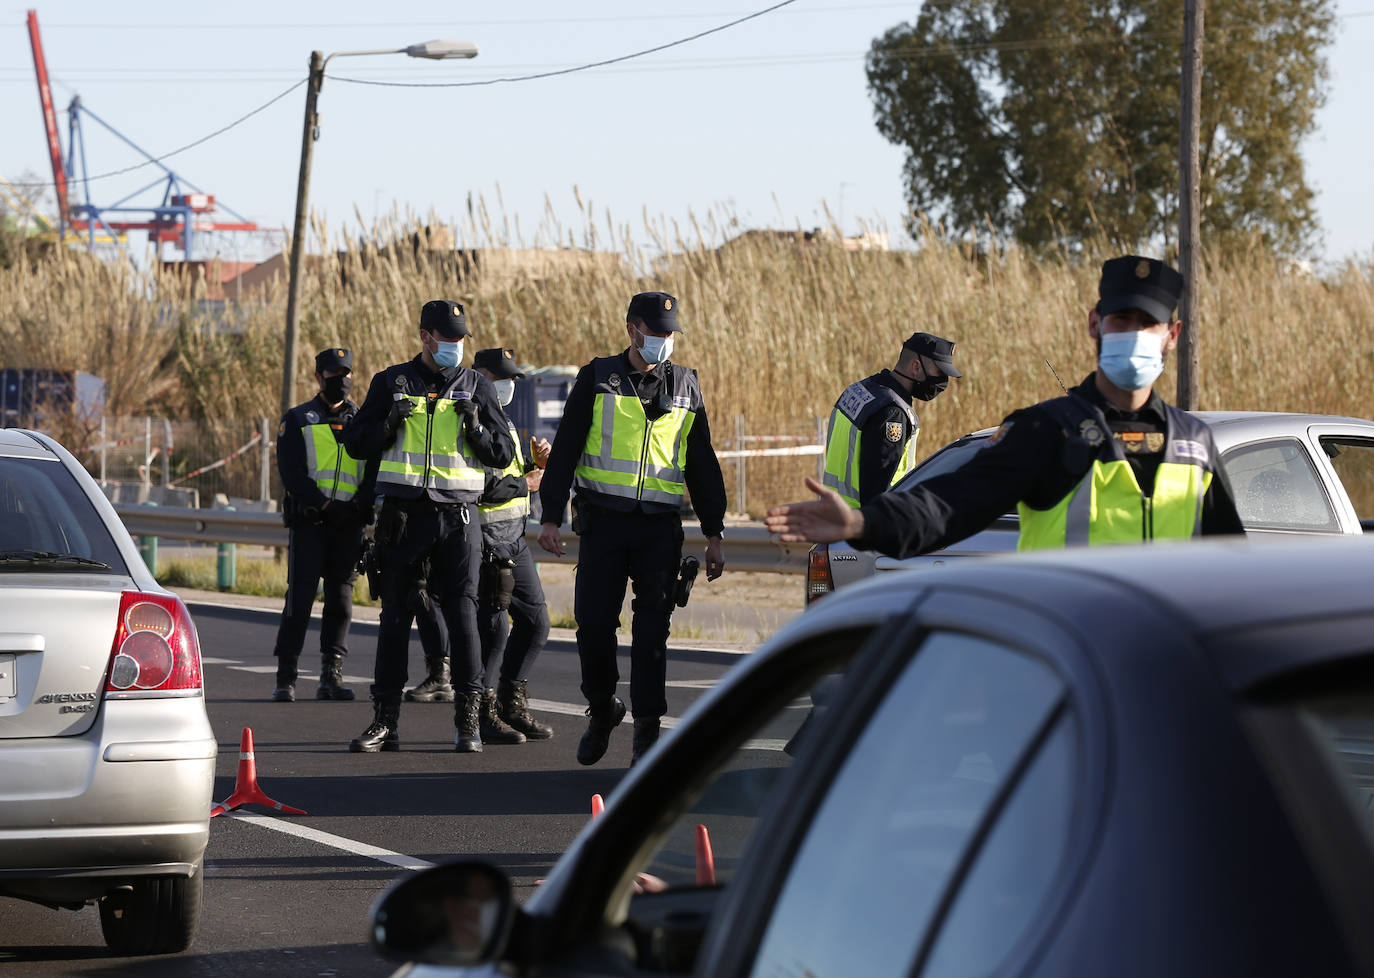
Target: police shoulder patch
[[281, 429], [312, 418], [1000, 433], [893, 431]]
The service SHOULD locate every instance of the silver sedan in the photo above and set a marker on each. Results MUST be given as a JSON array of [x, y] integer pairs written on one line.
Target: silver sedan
[[1292, 474], [106, 754]]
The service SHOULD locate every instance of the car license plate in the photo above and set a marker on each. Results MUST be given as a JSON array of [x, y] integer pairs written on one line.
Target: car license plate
[[9, 688]]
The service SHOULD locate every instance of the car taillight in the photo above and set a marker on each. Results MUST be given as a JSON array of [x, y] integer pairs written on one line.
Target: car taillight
[[155, 646], [819, 583]]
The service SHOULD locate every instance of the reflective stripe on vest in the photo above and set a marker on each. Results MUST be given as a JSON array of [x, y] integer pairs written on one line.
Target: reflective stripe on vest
[[427, 452], [843, 441], [512, 509], [335, 472], [1107, 505], [629, 456]]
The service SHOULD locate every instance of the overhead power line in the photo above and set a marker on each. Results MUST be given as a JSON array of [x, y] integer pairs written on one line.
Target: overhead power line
[[568, 71], [191, 145]]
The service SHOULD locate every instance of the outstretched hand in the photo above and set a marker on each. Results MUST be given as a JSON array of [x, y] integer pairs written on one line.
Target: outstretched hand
[[551, 539], [825, 519]]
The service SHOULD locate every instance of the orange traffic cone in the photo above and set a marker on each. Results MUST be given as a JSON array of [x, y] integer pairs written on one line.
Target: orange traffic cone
[[706, 862], [246, 790], [598, 806]]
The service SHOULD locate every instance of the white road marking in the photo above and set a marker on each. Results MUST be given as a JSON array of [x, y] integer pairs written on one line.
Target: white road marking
[[333, 841]]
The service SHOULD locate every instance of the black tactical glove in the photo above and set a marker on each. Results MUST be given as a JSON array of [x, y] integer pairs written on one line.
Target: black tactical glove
[[467, 407], [401, 408], [312, 515]]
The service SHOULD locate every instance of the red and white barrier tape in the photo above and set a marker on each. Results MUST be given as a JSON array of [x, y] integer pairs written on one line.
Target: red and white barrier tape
[[114, 444], [767, 452], [228, 458]]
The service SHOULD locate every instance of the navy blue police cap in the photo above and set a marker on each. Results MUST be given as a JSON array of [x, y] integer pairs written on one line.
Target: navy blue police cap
[[445, 318], [1147, 284], [658, 310], [935, 348], [500, 362], [335, 359]]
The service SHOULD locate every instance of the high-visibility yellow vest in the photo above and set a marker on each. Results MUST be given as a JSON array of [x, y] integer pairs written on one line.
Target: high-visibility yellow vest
[[629, 457], [843, 442], [512, 509], [431, 450], [336, 473], [1107, 505]]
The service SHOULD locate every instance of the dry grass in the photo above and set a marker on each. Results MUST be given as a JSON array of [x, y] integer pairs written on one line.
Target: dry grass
[[775, 328]]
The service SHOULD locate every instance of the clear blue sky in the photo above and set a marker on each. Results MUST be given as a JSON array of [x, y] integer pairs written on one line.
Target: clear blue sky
[[767, 121]]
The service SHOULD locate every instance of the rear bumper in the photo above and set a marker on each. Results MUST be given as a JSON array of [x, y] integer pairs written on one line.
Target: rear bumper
[[130, 796]]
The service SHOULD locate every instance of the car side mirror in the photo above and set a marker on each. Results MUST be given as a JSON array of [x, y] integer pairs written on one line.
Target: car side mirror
[[456, 914]]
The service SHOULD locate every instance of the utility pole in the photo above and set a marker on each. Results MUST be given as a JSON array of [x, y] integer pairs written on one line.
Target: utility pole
[[312, 131], [1189, 176]]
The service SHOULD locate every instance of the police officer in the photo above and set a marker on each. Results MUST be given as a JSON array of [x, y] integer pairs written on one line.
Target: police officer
[[512, 615], [327, 504], [872, 433], [634, 435], [1109, 462], [433, 425]]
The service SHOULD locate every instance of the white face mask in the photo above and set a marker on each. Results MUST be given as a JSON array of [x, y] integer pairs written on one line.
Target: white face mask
[[505, 390], [448, 354], [656, 349]]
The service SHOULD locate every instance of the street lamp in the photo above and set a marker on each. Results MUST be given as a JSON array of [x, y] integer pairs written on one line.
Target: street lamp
[[435, 51]]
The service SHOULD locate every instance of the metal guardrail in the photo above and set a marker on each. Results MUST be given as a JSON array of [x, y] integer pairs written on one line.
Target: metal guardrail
[[748, 547]]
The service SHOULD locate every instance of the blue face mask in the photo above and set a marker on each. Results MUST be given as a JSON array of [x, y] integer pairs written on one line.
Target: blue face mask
[[448, 354], [1131, 360], [656, 349]]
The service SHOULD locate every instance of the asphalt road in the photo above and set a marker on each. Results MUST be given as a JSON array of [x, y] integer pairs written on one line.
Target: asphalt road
[[289, 895]]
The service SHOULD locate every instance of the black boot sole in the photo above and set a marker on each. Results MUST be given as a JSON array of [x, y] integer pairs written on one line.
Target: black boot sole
[[334, 694], [413, 697], [358, 747]]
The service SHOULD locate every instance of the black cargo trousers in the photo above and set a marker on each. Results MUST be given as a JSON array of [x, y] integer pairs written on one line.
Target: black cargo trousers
[[427, 546], [513, 637], [615, 548], [316, 550]]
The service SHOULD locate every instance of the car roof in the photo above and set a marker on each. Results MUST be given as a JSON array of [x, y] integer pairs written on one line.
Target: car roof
[[1229, 595], [18, 442], [1283, 422]]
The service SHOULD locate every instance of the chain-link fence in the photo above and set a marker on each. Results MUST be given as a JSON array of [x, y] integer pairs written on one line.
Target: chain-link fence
[[186, 463], [182, 462]]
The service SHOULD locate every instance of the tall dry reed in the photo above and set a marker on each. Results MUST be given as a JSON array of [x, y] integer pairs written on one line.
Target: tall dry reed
[[775, 325]]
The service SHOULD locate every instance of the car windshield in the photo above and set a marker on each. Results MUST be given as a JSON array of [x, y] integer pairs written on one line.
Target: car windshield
[[1342, 726], [947, 459], [47, 523]]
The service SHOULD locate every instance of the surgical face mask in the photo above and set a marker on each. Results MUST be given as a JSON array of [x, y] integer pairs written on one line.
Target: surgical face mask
[[1131, 360], [448, 354], [505, 390], [336, 389], [656, 349]]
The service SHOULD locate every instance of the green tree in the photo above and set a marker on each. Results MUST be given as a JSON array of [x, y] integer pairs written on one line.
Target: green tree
[[1055, 121]]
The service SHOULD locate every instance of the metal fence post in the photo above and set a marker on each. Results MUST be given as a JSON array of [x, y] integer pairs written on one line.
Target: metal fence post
[[740, 481], [103, 440], [147, 453], [822, 433], [166, 452], [265, 462]]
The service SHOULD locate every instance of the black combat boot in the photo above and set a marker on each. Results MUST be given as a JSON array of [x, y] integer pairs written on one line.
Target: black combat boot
[[467, 712], [603, 719], [436, 688], [384, 731], [492, 727], [513, 706], [331, 685], [285, 691], [646, 735]]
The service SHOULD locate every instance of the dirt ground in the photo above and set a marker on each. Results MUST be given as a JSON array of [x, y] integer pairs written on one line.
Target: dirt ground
[[738, 609]]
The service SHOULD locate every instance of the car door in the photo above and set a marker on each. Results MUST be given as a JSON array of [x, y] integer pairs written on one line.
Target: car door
[[954, 817]]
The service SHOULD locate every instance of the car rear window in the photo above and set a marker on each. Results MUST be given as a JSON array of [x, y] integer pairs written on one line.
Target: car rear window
[[945, 460], [44, 509], [1342, 727]]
